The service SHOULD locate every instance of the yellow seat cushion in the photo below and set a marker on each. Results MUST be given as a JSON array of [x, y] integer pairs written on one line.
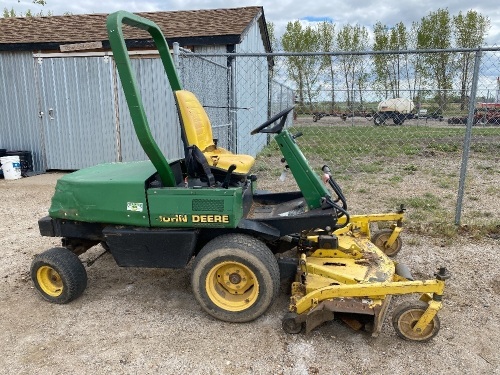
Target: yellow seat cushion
[[198, 131], [223, 159]]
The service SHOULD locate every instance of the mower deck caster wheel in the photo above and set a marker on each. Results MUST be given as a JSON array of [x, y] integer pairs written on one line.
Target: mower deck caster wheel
[[380, 239], [289, 324], [58, 275], [405, 317]]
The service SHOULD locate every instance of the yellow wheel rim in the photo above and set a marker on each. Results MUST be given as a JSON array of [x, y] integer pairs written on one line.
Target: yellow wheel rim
[[232, 286], [381, 243], [409, 319], [49, 281]]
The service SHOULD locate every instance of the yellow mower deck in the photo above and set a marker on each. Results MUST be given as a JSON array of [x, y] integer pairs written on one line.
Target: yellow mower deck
[[344, 273]]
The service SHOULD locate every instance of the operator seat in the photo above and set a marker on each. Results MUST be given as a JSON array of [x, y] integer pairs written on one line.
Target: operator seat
[[197, 131]]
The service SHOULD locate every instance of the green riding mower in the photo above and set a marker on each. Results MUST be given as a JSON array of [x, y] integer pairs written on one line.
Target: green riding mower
[[205, 208]]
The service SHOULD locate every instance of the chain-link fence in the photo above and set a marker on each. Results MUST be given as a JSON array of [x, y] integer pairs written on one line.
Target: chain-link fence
[[420, 128]]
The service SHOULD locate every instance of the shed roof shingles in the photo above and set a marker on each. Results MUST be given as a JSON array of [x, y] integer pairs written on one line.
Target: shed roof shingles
[[92, 27]]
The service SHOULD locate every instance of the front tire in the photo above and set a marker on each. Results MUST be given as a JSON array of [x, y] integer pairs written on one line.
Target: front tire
[[58, 275], [235, 278]]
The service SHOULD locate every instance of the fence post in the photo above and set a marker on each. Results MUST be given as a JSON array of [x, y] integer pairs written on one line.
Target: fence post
[[175, 57], [233, 104], [468, 135]]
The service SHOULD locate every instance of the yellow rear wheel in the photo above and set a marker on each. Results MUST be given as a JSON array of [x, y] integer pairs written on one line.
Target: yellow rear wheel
[[50, 281], [58, 275]]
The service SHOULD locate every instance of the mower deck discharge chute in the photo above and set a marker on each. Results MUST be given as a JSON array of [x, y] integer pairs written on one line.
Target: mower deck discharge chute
[[160, 213]]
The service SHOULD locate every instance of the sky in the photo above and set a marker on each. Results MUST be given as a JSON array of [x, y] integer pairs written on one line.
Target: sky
[[364, 12]]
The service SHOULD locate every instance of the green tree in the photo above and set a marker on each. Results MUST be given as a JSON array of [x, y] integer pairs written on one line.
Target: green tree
[[470, 30], [415, 69], [326, 32], [271, 32], [398, 41], [353, 39], [304, 70], [381, 61], [9, 13], [391, 70], [12, 13], [435, 32]]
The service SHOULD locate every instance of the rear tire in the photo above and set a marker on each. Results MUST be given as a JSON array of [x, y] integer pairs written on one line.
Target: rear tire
[[378, 119], [58, 275], [235, 278]]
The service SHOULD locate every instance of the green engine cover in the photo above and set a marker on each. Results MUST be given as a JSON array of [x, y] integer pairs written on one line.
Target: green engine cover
[[112, 193], [193, 208], [117, 193]]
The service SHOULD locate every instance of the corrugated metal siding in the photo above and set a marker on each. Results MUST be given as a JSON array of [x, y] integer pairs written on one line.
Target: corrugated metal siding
[[81, 131], [90, 123], [251, 80], [19, 121], [161, 112]]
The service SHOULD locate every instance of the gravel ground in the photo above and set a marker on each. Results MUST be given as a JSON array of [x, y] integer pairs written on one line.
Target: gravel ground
[[143, 321]]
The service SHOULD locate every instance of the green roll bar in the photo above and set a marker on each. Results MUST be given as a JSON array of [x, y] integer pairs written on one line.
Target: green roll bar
[[114, 26]]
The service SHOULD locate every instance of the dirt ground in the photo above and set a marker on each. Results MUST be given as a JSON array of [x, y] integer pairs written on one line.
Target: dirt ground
[[146, 321]]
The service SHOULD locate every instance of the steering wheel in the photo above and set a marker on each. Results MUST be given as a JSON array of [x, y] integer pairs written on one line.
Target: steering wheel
[[278, 127]]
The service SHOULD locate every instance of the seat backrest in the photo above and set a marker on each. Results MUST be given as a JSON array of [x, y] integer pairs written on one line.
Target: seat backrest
[[194, 120]]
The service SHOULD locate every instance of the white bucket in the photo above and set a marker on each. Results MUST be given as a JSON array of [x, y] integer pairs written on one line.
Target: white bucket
[[11, 166]]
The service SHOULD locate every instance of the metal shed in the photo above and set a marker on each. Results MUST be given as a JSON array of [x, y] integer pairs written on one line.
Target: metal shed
[[61, 98]]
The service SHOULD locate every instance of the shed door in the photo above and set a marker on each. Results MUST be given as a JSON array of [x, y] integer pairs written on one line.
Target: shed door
[[77, 102]]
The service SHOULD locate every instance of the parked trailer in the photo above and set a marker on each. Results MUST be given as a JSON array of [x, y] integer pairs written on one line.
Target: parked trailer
[[484, 113], [397, 109]]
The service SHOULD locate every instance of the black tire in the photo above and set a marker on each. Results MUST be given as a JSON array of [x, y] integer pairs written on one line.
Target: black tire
[[378, 119], [406, 315], [380, 238], [398, 120], [315, 118], [235, 278], [58, 275], [289, 324]]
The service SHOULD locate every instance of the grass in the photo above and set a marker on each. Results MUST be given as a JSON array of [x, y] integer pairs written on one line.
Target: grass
[[493, 190], [362, 156], [342, 143]]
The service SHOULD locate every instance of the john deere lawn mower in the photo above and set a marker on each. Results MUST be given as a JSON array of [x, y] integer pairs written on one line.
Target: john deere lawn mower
[[205, 208]]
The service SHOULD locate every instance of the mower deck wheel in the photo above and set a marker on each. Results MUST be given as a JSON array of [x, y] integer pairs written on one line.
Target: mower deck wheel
[[235, 278], [380, 239], [406, 315], [58, 275], [289, 324]]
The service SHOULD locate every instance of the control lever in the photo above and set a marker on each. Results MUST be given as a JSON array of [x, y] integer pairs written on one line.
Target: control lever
[[230, 171], [327, 173]]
